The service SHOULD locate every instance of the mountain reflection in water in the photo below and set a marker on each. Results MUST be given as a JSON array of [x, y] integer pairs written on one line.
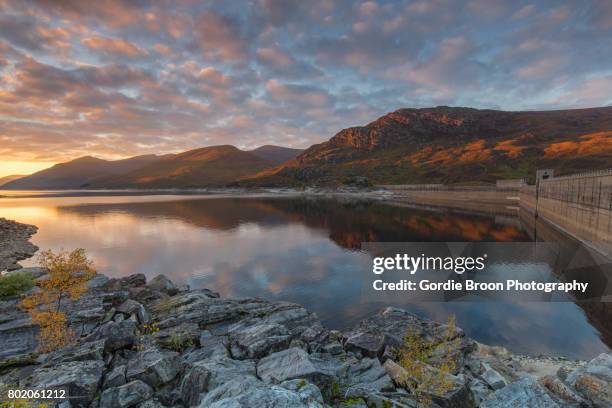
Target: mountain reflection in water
[[304, 250]]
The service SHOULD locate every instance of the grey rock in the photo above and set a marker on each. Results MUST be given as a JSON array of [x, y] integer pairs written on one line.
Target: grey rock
[[162, 284], [563, 392], [81, 378], [368, 344], [18, 335], [132, 307], [127, 395], [524, 393], [91, 350], [295, 363], [249, 392], [211, 346], [154, 367], [258, 341], [116, 335], [594, 380], [492, 377], [115, 377], [479, 390], [207, 375], [309, 393], [364, 377]]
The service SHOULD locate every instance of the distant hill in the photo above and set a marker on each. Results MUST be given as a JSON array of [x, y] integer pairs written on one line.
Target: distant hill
[[276, 154], [453, 145], [78, 173], [7, 179], [208, 166]]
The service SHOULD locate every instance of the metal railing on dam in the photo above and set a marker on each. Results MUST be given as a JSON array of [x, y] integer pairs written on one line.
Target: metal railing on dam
[[579, 204]]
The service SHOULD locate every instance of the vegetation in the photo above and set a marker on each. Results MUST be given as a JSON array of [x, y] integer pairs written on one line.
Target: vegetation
[[67, 280], [178, 342], [426, 375], [15, 284]]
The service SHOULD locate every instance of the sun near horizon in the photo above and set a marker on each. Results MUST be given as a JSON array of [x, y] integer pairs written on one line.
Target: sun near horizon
[[11, 168]]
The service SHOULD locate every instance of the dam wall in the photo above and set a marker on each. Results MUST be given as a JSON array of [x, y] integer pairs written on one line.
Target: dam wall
[[579, 204]]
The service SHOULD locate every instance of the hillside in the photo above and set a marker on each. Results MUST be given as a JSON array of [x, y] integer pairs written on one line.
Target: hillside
[[453, 145], [7, 179], [276, 154], [208, 166], [78, 173]]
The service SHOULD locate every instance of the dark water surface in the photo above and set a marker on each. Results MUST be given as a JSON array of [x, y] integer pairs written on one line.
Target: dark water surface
[[304, 250]]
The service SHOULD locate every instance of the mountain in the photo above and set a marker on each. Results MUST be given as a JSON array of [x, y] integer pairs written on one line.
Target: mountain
[[276, 154], [208, 166], [7, 179], [78, 173], [453, 145]]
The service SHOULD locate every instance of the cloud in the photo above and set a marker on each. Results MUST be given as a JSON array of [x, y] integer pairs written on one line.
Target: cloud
[[120, 78], [113, 46]]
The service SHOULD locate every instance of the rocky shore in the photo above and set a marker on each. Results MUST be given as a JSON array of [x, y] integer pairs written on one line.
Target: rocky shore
[[14, 243], [158, 345]]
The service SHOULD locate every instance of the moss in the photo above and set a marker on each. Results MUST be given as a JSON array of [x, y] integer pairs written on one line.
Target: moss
[[301, 384], [15, 284]]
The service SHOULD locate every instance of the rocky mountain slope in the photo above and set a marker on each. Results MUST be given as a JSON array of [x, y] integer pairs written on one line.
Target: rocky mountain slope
[[208, 166], [78, 173], [205, 167], [7, 179], [449, 145], [276, 154]]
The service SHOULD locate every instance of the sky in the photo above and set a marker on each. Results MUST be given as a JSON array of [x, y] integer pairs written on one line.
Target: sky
[[115, 79]]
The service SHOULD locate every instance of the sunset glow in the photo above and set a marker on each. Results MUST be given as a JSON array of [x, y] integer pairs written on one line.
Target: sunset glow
[[115, 79]]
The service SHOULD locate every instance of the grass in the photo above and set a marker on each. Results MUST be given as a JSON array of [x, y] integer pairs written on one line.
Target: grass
[[15, 284]]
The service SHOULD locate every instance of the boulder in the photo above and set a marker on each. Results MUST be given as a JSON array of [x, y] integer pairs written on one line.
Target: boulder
[[206, 375], [494, 379], [115, 377], [154, 367], [161, 283], [258, 341], [362, 377], [309, 393], [250, 392], [127, 395], [368, 344], [132, 307], [295, 363], [594, 380], [81, 378], [524, 393], [116, 335]]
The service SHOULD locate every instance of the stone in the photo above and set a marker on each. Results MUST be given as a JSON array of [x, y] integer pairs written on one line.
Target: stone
[[258, 341], [116, 335], [479, 390], [206, 375], [161, 283], [115, 377], [81, 378], [365, 376], [594, 380], [494, 379], [563, 392], [309, 393], [524, 393], [154, 367], [91, 350], [126, 395], [368, 344], [132, 307], [250, 392], [295, 363]]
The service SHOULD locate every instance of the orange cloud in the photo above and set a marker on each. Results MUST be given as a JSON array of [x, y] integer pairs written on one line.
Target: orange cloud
[[114, 46]]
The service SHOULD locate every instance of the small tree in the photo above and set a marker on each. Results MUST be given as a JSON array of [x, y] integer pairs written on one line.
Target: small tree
[[67, 279]]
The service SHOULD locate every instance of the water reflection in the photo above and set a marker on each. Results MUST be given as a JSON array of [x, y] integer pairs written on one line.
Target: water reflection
[[298, 249]]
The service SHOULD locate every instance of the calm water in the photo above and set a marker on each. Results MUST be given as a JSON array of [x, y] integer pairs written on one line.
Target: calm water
[[304, 250]]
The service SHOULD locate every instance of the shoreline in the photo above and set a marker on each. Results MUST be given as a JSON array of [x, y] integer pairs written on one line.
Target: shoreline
[[164, 345]]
